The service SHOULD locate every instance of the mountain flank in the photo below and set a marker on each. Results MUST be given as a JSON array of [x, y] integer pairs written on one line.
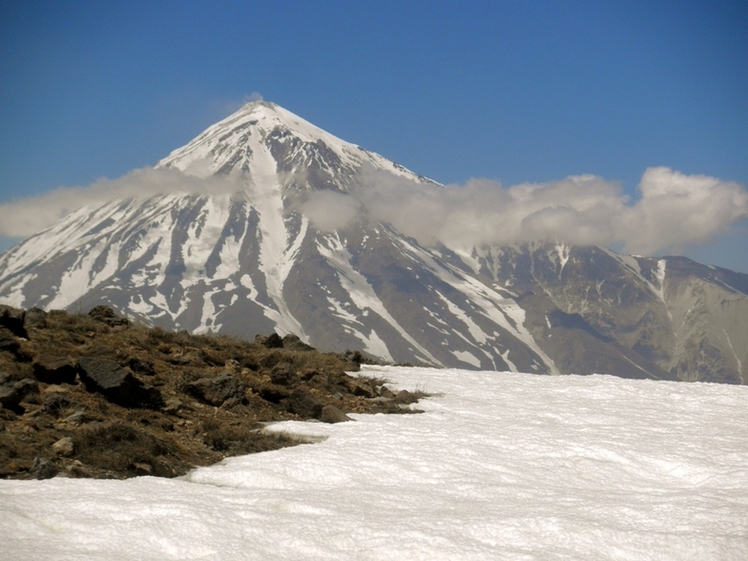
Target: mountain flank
[[94, 395], [264, 229]]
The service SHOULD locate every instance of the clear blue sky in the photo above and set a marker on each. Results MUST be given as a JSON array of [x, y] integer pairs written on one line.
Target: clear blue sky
[[514, 91]]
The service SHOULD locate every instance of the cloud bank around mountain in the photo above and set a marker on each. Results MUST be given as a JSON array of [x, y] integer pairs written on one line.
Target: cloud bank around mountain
[[24, 217], [673, 211]]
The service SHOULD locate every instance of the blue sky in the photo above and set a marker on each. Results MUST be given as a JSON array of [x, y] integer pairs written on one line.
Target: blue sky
[[511, 91]]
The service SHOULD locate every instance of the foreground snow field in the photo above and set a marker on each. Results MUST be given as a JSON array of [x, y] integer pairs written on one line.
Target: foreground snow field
[[500, 466]]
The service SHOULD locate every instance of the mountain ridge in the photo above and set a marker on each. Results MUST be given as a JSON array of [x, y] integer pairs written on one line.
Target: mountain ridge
[[254, 256]]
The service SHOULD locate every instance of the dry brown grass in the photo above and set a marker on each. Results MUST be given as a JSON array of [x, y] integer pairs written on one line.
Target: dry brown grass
[[114, 441]]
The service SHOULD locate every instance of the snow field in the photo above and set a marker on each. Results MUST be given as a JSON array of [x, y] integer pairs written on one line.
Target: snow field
[[500, 466]]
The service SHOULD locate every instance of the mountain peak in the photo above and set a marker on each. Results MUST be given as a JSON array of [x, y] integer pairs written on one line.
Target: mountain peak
[[263, 137], [228, 145], [281, 256]]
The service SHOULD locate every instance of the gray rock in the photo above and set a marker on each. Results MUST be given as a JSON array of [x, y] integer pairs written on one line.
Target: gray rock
[[304, 404], [11, 394], [217, 390], [272, 341], [405, 397], [117, 384], [331, 414], [64, 447], [43, 469], [13, 320], [384, 391], [320, 380], [173, 405], [308, 373], [293, 343], [362, 391], [142, 468], [8, 342], [8, 397], [77, 418], [106, 315]]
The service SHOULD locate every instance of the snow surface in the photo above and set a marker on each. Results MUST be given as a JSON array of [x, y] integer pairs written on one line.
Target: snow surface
[[500, 466]]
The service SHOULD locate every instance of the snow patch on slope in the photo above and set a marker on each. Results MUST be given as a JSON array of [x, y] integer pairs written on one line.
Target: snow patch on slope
[[563, 252], [278, 249], [361, 292], [660, 276], [502, 311]]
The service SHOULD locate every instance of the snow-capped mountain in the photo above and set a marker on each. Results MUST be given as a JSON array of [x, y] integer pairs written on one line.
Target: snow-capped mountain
[[246, 259]]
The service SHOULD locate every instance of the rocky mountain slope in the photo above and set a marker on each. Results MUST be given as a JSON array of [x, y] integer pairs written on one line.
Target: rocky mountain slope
[[246, 255], [92, 395]]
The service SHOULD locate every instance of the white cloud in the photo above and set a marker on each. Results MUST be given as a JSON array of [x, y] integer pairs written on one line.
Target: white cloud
[[677, 210], [674, 210], [25, 217], [330, 210]]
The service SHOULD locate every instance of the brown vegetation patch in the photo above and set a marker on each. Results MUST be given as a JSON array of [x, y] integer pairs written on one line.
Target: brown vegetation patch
[[144, 401]]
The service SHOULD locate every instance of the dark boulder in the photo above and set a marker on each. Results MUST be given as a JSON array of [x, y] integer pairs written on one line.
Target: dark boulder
[[52, 369], [272, 341], [360, 390], [293, 343], [304, 404], [13, 393], [13, 320], [106, 315], [8, 342], [43, 469], [217, 390], [117, 384]]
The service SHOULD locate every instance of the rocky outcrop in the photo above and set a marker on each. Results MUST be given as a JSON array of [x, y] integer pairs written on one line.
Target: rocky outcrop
[[224, 389], [52, 369], [331, 414], [13, 393], [303, 403], [8, 342], [106, 315], [116, 384], [143, 401], [13, 320]]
